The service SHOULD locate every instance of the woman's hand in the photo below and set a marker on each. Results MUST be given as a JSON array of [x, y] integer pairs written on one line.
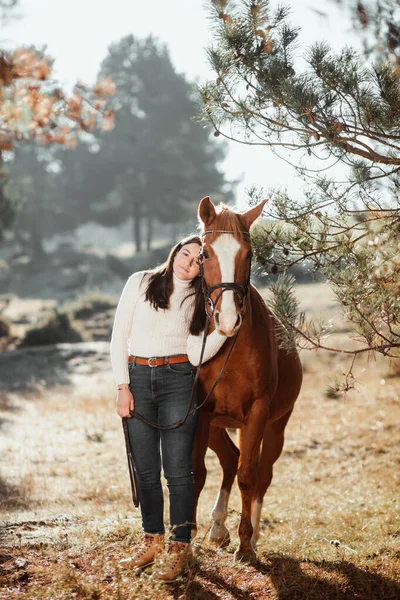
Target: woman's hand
[[125, 403]]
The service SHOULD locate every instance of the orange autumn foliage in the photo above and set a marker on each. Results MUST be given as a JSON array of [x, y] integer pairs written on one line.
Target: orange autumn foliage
[[33, 108]]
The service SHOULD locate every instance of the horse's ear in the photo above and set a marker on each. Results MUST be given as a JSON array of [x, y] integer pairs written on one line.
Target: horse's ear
[[206, 212], [251, 215]]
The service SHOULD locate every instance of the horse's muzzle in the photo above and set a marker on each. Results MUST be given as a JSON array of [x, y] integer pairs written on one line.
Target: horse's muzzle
[[227, 324]]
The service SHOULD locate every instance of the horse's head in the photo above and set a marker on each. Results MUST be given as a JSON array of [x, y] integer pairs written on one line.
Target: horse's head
[[225, 260]]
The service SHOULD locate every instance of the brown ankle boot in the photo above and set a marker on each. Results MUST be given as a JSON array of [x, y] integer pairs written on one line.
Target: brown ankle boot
[[174, 562], [147, 549]]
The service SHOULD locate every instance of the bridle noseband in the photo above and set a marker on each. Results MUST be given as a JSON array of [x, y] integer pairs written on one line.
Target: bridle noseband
[[241, 291]]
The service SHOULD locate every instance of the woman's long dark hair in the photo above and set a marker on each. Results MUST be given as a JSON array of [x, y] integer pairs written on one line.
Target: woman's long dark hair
[[161, 285]]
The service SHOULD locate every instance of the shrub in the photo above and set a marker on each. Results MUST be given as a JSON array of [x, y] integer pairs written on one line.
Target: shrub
[[332, 394], [58, 329], [86, 306], [4, 327]]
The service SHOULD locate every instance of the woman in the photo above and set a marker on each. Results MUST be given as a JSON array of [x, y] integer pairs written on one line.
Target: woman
[[160, 316]]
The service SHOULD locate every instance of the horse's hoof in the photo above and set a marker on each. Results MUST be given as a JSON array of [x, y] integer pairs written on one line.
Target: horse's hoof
[[221, 542], [219, 535], [249, 556]]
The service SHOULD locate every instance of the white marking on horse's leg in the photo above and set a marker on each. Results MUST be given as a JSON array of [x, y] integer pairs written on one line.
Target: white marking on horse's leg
[[220, 509], [219, 534], [225, 248], [255, 521]]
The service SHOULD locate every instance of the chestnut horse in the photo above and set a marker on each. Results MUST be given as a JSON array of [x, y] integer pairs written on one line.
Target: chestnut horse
[[259, 384]]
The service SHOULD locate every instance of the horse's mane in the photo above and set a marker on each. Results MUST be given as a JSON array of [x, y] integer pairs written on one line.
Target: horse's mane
[[229, 220]]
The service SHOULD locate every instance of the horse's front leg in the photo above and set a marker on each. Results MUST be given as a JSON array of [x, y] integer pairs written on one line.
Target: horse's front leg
[[250, 440], [198, 461]]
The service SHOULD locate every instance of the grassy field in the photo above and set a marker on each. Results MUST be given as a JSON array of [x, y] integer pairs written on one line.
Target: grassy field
[[330, 523]]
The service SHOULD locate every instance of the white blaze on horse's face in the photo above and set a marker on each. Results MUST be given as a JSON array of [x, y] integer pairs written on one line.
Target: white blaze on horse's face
[[227, 319]]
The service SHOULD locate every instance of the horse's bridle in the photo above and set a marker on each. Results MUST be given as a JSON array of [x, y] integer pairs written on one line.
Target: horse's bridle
[[238, 289]]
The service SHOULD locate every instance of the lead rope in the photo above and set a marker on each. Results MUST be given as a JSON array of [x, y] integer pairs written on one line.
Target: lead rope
[[184, 419], [189, 410], [131, 464]]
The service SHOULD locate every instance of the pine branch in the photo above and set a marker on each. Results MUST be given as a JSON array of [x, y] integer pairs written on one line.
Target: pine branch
[[339, 110]]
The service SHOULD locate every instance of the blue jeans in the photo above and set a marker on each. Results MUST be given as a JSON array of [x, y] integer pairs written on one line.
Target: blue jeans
[[162, 395]]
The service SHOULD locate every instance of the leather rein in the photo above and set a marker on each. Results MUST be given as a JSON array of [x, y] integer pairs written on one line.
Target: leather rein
[[241, 291]]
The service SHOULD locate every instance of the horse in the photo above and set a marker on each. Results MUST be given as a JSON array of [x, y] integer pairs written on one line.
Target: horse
[[259, 384]]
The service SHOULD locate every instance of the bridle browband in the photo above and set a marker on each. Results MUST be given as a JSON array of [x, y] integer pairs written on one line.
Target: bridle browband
[[223, 231], [238, 289]]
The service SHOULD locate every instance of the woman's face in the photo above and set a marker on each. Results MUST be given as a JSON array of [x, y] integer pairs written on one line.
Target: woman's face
[[185, 262]]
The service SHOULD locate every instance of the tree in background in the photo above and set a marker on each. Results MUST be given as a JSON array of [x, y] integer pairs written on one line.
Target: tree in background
[[157, 162], [336, 108], [8, 203], [33, 107], [34, 178]]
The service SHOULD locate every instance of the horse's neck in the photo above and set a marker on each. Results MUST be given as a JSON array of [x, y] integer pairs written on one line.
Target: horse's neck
[[251, 302], [256, 309]]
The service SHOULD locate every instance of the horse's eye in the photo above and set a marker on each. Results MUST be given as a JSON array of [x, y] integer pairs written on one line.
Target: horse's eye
[[249, 255], [205, 254]]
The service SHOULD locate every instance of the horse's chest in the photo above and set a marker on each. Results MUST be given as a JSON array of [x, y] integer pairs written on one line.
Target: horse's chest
[[227, 404]]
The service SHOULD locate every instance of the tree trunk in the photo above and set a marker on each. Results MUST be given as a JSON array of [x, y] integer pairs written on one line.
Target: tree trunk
[[36, 243], [137, 238], [149, 232]]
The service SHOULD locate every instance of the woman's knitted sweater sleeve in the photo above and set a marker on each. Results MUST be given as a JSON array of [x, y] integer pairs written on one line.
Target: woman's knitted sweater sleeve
[[214, 343], [122, 327]]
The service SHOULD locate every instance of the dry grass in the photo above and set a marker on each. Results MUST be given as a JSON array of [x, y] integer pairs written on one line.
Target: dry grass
[[331, 525]]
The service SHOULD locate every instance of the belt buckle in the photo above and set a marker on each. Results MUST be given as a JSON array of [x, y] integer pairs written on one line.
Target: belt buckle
[[149, 362]]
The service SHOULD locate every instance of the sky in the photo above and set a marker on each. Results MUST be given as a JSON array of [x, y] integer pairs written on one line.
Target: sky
[[77, 34]]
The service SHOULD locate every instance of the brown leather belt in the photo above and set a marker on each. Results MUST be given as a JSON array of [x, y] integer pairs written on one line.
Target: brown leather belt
[[159, 361]]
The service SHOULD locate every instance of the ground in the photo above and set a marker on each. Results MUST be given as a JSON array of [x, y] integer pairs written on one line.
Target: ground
[[330, 522]]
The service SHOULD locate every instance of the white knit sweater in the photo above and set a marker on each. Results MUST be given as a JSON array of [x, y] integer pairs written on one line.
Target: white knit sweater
[[141, 330]]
